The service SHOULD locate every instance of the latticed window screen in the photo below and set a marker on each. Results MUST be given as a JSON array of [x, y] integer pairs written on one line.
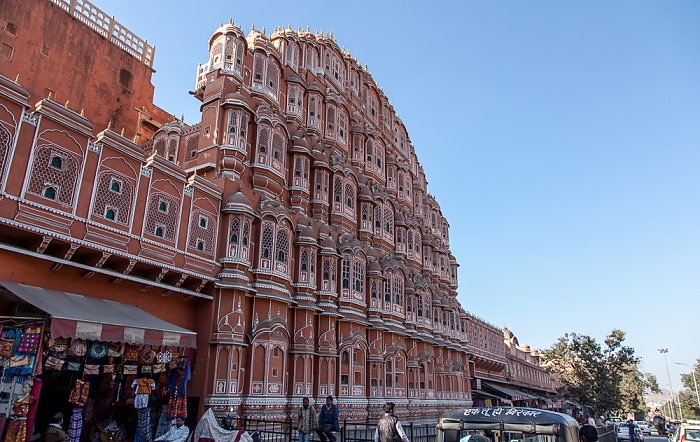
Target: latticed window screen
[[5, 140], [172, 149], [159, 147], [278, 148], [330, 121], [165, 219], [235, 233], [349, 196], [388, 220], [398, 289], [345, 272], [263, 139], [359, 276], [44, 176], [304, 260], [266, 241], [338, 189], [216, 55], [282, 245], [202, 233], [387, 286], [114, 191], [259, 68], [273, 77]]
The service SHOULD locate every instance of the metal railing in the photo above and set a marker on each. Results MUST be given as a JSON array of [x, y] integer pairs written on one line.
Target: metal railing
[[285, 431]]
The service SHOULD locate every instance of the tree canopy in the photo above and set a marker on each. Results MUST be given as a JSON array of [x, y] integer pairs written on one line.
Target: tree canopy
[[605, 377]]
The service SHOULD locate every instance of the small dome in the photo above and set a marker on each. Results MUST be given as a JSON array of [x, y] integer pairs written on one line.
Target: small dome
[[328, 243], [308, 232], [374, 266], [238, 203], [399, 218], [325, 229]]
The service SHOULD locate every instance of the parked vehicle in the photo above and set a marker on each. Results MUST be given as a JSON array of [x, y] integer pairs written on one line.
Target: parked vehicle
[[507, 424], [687, 433], [644, 426], [623, 432]]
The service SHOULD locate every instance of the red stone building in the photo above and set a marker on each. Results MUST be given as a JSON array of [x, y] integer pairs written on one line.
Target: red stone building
[[291, 229]]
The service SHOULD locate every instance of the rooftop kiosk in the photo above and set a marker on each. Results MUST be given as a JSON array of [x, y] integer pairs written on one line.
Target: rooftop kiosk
[[507, 424]]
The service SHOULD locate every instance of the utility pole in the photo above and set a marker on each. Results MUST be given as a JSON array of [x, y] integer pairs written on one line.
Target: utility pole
[[663, 351], [695, 382]]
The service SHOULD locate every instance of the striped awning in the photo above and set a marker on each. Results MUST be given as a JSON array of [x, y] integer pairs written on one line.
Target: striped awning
[[77, 316]]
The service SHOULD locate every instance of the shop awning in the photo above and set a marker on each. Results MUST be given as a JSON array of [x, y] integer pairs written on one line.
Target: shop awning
[[77, 316], [515, 395], [482, 393]]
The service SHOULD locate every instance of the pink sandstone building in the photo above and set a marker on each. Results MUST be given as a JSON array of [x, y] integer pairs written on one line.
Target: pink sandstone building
[[286, 245]]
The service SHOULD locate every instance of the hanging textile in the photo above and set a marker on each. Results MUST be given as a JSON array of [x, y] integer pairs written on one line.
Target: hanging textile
[[144, 424], [76, 424]]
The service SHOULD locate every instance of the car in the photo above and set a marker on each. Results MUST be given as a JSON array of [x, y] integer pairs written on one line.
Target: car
[[644, 426], [623, 432], [687, 433]]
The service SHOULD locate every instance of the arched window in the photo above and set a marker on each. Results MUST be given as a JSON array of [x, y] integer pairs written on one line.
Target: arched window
[[109, 214], [200, 245], [159, 232], [50, 193], [56, 162], [163, 206], [115, 187]]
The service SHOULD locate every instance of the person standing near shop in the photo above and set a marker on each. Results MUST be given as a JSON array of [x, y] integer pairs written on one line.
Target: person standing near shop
[[389, 428], [54, 432], [306, 420], [328, 421]]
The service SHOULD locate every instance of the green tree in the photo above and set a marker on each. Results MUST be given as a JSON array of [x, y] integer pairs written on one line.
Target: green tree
[[652, 383], [593, 375], [688, 398]]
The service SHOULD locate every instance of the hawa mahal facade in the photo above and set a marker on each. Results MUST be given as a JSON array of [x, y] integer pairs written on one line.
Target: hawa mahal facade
[[291, 229]]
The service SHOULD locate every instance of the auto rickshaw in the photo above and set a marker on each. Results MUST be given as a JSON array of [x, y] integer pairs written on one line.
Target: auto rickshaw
[[507, 424]]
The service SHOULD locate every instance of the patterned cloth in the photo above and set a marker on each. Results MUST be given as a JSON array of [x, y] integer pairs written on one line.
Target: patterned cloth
[[177, 406], [208, 430], [163, 422], [76, 424], [145, 424]]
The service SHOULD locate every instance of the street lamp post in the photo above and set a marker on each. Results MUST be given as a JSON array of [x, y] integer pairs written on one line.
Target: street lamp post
[[663, 351], [695, 382]]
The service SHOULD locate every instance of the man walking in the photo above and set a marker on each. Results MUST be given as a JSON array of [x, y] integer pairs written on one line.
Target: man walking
[[328, 421], [306, 421], [389, 428]]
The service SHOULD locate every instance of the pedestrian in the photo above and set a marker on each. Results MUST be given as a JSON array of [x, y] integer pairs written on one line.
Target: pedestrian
[[389, 428], [177, 433], [54, 432], [328, 421], [588, 433], [589, 420], [632, 430], [306, 420]]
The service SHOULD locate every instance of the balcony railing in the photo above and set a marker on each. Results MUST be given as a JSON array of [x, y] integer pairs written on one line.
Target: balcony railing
[[105, 25]]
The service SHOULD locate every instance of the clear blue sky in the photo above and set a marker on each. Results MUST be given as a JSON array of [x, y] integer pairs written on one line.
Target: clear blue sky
[[561, 138]]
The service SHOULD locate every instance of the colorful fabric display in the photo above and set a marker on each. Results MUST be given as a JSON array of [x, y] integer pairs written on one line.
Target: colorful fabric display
[[53, 363], [29, 341], [77, 347], [131, 353], [91, 369], [115, 349], [130, 369], [73, 366], [98, 350], [79, 394]]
